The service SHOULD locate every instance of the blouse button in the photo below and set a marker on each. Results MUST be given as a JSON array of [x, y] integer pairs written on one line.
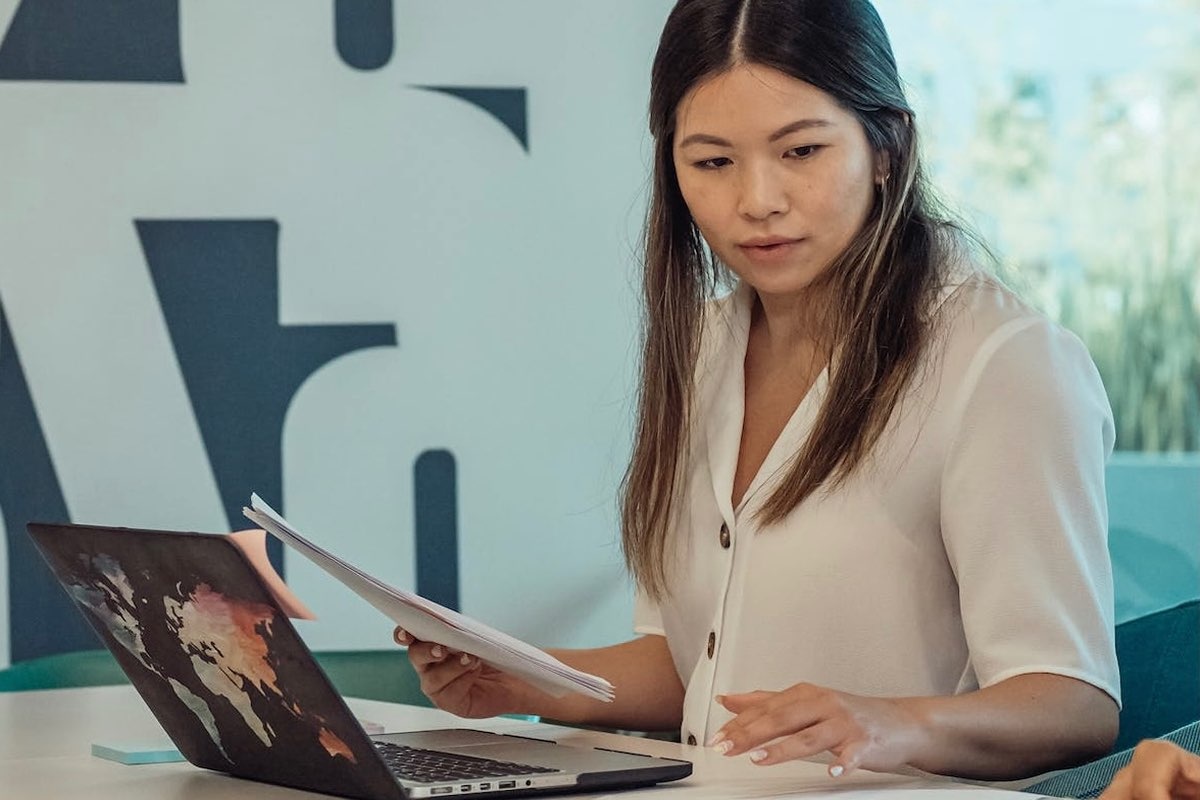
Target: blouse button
[[724, 536], [691, 740], [712, 643]]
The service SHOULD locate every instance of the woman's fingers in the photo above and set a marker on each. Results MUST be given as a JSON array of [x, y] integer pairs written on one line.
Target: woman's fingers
[[437, 665], [436, 678], [748, 709], [805, 720], [455, 694], [849, 759], [737, 703], [806, 743], [455, 681], [425, 653], [775, 714]]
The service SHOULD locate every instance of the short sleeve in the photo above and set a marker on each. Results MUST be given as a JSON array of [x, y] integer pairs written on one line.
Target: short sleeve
[[647, 618], [1023, 510]]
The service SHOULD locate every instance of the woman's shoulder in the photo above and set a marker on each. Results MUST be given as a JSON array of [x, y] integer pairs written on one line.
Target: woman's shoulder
[[976, 312], [988, 336]]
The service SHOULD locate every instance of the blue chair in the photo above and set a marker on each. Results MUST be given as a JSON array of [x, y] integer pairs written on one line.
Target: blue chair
[[1159, 656]]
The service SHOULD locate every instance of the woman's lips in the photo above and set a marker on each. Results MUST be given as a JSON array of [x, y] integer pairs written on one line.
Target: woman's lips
[[769, 251]]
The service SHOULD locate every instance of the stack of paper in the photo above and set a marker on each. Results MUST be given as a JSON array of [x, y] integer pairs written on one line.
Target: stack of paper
[[431, 622]]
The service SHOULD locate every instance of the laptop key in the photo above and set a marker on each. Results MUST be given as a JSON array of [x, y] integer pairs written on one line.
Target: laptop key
[[433, 766]]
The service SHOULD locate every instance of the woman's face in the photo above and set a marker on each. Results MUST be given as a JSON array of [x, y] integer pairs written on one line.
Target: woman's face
[[778, 177]]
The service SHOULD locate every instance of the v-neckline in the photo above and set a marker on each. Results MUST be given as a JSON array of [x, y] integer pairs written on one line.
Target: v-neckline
[[726, 412], [786, 444], [725, 401]]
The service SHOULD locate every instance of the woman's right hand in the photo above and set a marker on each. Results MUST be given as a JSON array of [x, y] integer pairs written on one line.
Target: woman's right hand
[[462, 684]]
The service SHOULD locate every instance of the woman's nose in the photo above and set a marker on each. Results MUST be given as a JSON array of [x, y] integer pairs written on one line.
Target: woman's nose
[[761, 194]]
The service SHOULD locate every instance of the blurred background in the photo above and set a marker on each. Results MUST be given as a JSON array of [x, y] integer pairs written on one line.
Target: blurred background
[[377, 261]]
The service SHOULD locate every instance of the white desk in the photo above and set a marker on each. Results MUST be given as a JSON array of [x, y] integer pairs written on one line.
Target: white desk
[[46, 738]]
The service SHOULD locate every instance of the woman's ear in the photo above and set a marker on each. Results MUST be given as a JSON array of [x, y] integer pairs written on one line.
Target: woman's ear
[[883, 156], [883, 166]]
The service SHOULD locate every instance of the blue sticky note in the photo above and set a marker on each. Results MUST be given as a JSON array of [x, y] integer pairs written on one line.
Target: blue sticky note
[[137, 752]]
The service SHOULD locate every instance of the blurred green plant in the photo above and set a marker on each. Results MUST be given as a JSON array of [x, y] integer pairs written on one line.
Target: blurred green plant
[[1098, 218], [1142, 327], [1136, 303]]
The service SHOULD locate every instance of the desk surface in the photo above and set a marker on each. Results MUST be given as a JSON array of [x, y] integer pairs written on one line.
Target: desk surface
[[46, 738]]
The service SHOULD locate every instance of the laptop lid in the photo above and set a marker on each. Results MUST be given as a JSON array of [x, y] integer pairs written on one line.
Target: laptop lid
[[220, 666], [208, 648]]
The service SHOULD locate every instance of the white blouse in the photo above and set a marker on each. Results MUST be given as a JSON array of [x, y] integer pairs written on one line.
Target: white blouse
[[971, 548]]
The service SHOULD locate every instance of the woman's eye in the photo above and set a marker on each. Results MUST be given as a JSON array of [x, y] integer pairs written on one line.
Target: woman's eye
[[713, 163], [803, 152]]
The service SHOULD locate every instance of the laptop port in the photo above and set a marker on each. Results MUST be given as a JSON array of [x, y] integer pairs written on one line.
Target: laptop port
[[483, 787], [466, 787], [442, 790], [506, 785]]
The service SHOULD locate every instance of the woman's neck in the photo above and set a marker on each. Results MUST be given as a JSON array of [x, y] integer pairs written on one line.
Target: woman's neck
[[785, 322]]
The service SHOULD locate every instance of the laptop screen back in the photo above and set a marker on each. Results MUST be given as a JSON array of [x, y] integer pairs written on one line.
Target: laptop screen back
[[221, 667]]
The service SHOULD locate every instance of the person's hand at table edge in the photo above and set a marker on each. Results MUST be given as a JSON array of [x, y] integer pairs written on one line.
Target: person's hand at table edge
[[1159, 771]]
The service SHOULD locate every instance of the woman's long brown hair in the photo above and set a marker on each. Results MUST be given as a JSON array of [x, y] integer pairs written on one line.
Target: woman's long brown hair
[[880, 286]]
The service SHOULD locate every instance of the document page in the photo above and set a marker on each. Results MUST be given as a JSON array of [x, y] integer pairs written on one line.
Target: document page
[[431, 622]]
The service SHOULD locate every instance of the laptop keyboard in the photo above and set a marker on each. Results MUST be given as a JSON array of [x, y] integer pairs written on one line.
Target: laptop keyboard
[[439, 766]]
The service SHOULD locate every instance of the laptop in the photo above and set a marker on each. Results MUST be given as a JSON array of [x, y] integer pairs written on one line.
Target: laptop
[[220, 665]]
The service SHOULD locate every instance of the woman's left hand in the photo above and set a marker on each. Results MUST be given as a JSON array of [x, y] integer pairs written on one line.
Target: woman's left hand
[[804, 720]]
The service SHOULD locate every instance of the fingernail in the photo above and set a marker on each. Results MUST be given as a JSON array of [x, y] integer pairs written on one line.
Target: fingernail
[[758, 755], [717, 738], [720, 699], [437, 651], [724, 747], [836, 770], [401, 636], [464, 659]]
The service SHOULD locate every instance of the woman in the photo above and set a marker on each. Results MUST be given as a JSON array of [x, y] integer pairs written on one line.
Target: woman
[[865, 508]]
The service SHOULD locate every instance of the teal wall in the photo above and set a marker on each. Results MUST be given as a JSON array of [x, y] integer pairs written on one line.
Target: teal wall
[[1154, 530]]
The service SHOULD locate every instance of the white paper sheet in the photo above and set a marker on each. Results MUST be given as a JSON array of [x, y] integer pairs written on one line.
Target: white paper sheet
[[431, 622]]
